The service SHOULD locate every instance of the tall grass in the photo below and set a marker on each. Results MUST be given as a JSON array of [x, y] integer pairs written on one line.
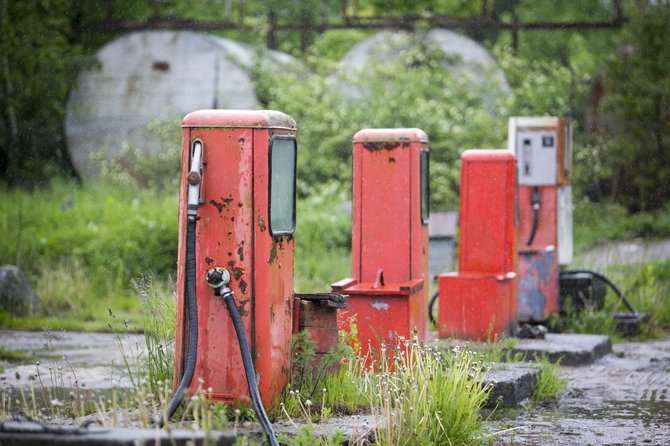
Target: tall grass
[[425, 396], [549, 383]]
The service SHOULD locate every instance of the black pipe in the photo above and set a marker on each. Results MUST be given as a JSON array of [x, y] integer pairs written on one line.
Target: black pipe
[[248, 365], [192, 312], [536, 202], [608, 282], [431, 312]]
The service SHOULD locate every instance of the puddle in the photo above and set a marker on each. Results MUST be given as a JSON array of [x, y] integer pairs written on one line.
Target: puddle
[[648, 412]]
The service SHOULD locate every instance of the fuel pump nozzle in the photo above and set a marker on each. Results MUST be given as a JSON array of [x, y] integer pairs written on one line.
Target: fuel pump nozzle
[[194, 179], [218, 278]]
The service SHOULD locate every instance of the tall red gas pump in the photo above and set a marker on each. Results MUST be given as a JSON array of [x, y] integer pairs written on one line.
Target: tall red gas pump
[[543, 146], [479, 301], [387, 291], [236, 223]]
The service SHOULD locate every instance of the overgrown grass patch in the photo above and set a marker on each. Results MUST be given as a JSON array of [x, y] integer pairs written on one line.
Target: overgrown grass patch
[[549, 382]]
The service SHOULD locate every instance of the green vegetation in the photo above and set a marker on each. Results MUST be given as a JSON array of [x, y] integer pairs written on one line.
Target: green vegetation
[[425, 396], [81, 246], [9, 354], [549, 383]]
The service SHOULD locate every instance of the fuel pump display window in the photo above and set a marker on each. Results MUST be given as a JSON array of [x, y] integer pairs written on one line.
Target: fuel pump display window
[[425, 187], [282, 184]]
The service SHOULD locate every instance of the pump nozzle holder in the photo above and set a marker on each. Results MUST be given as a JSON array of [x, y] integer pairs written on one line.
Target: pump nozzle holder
[[194, 178], [218, 277]]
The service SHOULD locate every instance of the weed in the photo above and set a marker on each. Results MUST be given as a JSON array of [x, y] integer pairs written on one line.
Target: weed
[[549, 383], [307, 437], [316, 390]]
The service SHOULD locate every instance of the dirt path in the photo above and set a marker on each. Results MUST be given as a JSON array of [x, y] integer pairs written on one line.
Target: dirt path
[[622, 399]]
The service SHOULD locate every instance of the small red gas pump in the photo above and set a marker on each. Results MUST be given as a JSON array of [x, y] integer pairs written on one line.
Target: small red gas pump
[[479, 301], [236, 222], [543, 147], [387, 290]]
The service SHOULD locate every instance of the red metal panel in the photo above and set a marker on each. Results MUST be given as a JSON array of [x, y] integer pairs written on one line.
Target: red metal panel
[[487, 229], [538, 285], [476, 306], [385, 213], [273, 280], [233, 232], [546, 234]]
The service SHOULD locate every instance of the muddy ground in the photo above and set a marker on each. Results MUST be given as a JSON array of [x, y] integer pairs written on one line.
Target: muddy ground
[[621, 399]]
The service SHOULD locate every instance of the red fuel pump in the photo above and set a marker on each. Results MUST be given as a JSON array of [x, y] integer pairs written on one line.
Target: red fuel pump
[[544, 151], [237, 217], [387, 292], [479, 301]]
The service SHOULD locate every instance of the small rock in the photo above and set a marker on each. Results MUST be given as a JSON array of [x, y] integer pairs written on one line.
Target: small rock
[[16, 295]]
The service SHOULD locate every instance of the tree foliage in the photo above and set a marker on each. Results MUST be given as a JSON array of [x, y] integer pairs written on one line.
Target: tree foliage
[[38, 63], [634, 145]]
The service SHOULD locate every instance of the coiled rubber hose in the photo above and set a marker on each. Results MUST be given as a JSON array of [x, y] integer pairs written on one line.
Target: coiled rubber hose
[[248, 366], [192, 312], [609, 283]]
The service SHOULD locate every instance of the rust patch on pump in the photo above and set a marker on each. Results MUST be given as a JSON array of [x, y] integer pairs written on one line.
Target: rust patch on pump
[[392, 160], [242, 307], [240, 252], [209, 260], [261, 223], [243, 286], [386, 145], [273, 251], [219, 206]]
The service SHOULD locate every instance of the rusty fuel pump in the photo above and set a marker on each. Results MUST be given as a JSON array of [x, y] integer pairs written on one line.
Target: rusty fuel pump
[[235, 279], [388, 293], [543, 146]]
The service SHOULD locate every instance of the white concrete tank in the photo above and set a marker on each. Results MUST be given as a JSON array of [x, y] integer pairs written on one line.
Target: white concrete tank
[[154, 74], [463, 56]]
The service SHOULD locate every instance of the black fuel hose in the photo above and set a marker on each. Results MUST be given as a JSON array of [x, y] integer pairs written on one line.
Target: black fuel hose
[[609, 283], [536, 202], [431, 311], [248, 366], [192, 312]]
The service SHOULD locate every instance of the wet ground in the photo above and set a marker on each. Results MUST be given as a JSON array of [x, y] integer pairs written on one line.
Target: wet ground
[[621, 399], [70, 359]]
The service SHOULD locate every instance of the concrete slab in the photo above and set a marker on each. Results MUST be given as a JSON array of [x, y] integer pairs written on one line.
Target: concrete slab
[[569, 349], [512, 384]]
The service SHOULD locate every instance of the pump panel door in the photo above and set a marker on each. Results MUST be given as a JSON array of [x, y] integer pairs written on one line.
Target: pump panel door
[[536, 154]]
